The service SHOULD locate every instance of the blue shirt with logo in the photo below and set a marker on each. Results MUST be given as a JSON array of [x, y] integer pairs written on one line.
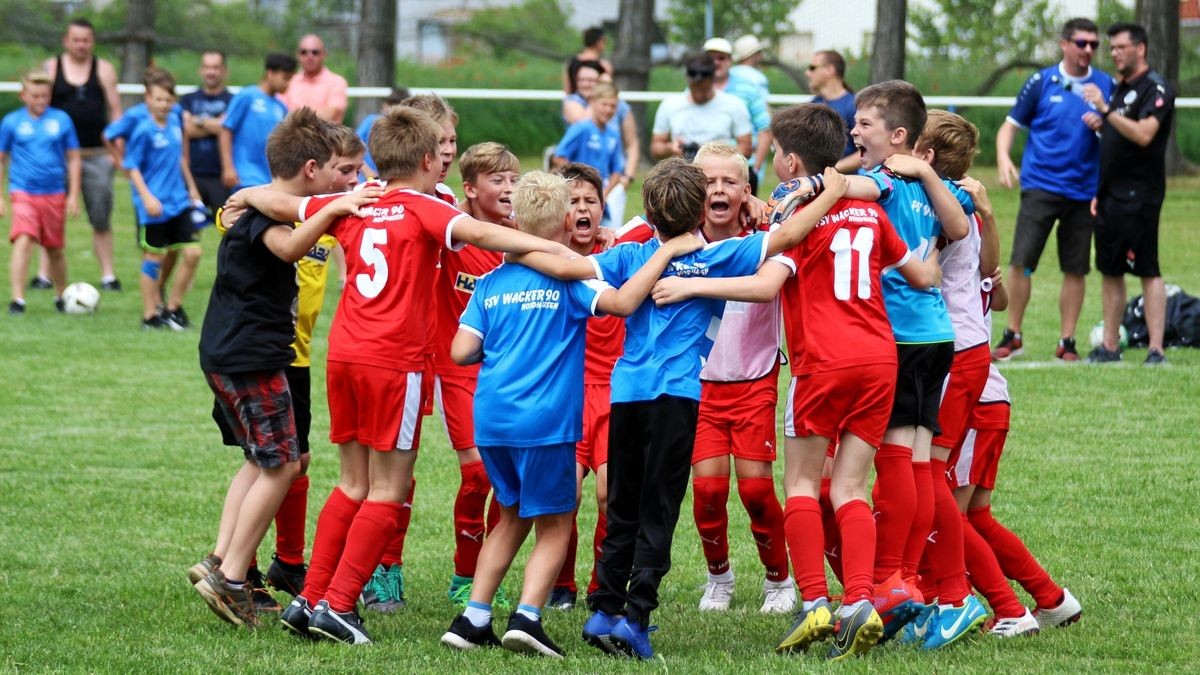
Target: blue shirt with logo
[[665, 347], [204, 154], [157, 152], [598, 148], [1062, 155], [129, 120], [38, 150], [533, 329], [917, 315], [251, 117]]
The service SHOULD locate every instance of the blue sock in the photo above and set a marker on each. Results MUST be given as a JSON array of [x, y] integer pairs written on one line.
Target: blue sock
[[529, 612], [478, 613]]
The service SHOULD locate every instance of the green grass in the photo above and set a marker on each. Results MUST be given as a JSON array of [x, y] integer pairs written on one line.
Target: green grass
[[112, 475]]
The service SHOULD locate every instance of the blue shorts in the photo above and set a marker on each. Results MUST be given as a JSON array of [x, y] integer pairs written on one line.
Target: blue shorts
[[540, 479]]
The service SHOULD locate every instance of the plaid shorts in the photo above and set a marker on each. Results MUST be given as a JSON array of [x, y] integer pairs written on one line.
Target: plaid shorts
[[254, 410]]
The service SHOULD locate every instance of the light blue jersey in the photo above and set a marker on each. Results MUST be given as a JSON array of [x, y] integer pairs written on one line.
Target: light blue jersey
[[918, 316], [364, 133], [665, 347], [157, 152], [533, 327], [129, 120], [598, 148], [38, 150], [251, 116]]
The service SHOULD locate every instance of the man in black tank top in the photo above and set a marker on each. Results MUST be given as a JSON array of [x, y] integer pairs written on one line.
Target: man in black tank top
[[85, 87]]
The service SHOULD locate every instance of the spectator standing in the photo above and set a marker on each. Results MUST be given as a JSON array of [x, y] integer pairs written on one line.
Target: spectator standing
[[702, 114], [316, 86], [594, 45], [252, 114], [827, 80], [203, 115], [752, 96], [576, 109], [748, 55]]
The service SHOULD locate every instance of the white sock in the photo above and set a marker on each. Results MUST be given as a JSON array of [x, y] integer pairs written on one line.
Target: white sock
[[725, 577], [478, 613]]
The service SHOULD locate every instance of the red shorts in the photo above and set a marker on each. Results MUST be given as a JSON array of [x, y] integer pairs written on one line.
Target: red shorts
[[377, 407], [737, 418], [858, 400], [592, 450], [979, 458], [42, 217], [455, 397], [960, 393], [427, 385]]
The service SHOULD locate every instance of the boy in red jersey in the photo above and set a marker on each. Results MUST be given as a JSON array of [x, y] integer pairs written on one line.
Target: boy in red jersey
[[844, 374]]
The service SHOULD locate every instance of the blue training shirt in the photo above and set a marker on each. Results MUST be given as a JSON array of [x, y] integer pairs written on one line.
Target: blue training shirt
[[251, 116], [157, 152], [918, 316], [38, 150], [665, 347], [129, 120], [598, 148], [364, 133], [533, 329], [844, 106], [1062, 155]]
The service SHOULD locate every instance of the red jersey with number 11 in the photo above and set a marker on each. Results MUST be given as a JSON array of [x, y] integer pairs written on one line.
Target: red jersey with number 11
[[833, 305]]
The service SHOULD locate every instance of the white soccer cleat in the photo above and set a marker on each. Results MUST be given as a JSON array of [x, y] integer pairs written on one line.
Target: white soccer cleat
[[717, 594], [779, 597], [1025, 624], [1067, 612]]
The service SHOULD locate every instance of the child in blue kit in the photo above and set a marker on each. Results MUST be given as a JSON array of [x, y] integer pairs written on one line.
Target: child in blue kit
[[596, 141], [252, 114], [528, 330]]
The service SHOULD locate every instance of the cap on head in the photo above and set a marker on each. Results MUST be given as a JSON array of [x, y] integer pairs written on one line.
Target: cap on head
[[746, 46], [717, 44]]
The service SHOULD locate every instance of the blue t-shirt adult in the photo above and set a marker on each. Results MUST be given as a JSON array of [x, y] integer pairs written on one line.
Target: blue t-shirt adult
[[533, 329], [157, 152], [844, 106], [251, 117], [364, 133], [204, 154], [129, 120], [1062, 155], [918, 316], [598, 148], [38, 150], [665, 347]]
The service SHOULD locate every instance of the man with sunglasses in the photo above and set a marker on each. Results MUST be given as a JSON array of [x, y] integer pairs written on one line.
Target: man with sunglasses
[[1058, 178], [826, 80], [315, 85], [702, 114]]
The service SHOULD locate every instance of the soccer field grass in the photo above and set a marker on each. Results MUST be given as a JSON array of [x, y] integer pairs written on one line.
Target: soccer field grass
[[112, 476]]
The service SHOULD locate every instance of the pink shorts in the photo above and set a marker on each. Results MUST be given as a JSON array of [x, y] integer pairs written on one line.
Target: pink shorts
[[737, 418], [960, 393], [377, 407], [42, 217], [591, 451], [982, 445], [455, 397], [858, 400]]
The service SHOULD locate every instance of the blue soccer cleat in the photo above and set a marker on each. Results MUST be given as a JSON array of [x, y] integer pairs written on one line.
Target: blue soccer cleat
[[955, 622]]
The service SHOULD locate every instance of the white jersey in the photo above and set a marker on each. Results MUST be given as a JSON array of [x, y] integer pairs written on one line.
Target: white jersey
[[962, 288], [996, 389], [747, 344]]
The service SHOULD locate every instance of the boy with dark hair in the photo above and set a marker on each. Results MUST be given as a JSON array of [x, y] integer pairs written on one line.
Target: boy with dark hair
[[397, 95], [593, 141], [252, 114]]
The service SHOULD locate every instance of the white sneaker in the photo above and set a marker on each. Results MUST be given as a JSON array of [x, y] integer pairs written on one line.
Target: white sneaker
[[1015, 627], [1067, 612], [717, 594], [779, 597]]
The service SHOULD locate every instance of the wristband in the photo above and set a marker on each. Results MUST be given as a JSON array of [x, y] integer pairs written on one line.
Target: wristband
[[1107, 113]]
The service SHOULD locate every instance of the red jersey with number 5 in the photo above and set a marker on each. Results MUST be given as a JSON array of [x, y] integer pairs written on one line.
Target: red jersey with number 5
[[386, 311], [833, 304]]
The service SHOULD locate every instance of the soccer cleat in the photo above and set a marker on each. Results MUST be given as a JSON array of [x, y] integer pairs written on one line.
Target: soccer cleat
[[893, 601], [264, 602], [60, 306], [562, 598], [177, 316], [1067, 612], [808, 626], [113, 284], [1102, 354], [286, 577], [779, 597], [526, 636], [231, 604], [460, 591], [717, 594], [953, 623], [597, 631], [858, 629], [915, 631], [1066, 350], [464, 635], [16, 308], [344, 627], [154, 323], [384, 592], [629, 638], [1010, 346], [40, 283], [1025, 624], [1154, 358], [296, 617], [203, 568], [168, 320]]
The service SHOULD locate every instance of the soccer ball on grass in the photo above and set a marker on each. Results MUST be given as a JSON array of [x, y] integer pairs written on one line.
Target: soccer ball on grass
[[1096, 337], [80, 298]]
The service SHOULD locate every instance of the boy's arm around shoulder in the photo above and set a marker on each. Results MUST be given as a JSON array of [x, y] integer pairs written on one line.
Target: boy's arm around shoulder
[[949, 211], [504, 239], [625, 300], [274, 204], [793, 230], [290, 244], [762, 287]]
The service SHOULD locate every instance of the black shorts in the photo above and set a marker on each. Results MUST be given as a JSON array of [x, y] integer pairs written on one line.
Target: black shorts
[[254, 411], [300, 382], [1127, 235], [1036, 217], [919, 380], [212, 192], [178, 232]]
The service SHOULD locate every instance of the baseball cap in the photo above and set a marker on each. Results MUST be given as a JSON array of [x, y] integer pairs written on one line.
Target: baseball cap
[[746, 46], [718, 45]]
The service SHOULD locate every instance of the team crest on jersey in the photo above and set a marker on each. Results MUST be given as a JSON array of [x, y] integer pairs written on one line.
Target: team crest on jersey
[[465, 282], [52, 127], [259, 106], [24, 129], [1130, 97], [160, 140]]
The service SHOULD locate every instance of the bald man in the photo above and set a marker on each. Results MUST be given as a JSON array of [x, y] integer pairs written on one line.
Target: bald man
[[315, 85]]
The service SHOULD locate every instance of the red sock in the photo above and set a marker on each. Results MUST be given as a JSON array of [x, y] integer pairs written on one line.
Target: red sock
[[829, 530], [710, 496], [987, 576], [857, 526], [289, 523], [393, 552], [925, 580], [597, 548], [566, 574], [895, 498], [766, 524], [1015, 559], [922, 522], [364, 548], [802, 528], [328, 542], [468, 517], [946, 549]]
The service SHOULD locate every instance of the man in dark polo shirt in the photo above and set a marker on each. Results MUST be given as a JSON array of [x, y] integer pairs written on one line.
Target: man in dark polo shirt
[[203, 114]]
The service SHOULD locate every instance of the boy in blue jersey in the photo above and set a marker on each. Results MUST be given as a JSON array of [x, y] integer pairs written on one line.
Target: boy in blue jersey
[[514, 314], [163, 192], [249, 119], [44, 149], [595, 142], [656, 392]]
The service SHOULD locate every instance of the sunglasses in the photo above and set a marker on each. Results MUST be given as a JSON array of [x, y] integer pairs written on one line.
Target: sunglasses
[[309, 52], [1083, 44], [814, 66], [699, 74]]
